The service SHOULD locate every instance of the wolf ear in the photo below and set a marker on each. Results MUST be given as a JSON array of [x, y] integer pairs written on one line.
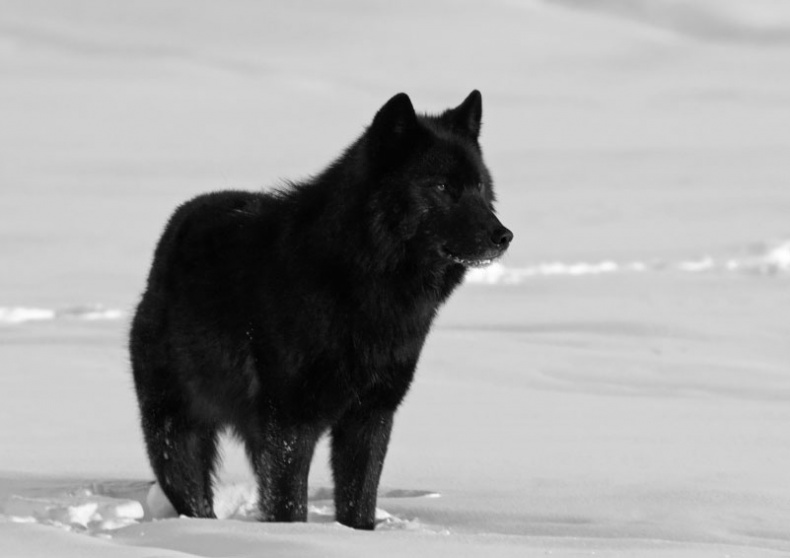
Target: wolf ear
[[466, 117], [395, 120]]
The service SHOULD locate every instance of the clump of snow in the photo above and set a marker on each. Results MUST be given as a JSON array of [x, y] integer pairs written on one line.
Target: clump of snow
[[779, 257], [702, 264], [498, 273], [19, 314], [775, 260], [82, 511], [91, 312], [159, 506]]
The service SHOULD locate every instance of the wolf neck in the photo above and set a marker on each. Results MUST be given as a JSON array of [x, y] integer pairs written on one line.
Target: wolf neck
[[349, 226]]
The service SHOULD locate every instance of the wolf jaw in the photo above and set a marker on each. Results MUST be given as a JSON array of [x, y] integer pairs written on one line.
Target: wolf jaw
[[470, 262]]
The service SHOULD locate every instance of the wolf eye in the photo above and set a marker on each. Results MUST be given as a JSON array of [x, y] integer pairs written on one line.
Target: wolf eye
[[441, 186]]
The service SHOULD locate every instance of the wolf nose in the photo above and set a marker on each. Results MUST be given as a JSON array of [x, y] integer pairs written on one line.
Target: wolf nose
[[501, 237]]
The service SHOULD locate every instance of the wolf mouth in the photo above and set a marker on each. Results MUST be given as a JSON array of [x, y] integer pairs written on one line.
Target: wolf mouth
[[469, 262]]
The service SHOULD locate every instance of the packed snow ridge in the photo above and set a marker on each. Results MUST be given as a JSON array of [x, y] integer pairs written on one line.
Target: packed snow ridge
[[19, 314], [773, 261]]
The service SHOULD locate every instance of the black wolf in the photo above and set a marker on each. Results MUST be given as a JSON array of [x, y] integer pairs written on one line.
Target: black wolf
[[281, 316]]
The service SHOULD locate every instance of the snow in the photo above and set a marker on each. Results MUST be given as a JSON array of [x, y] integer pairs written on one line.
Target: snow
[[616, 386], [720, 20], [16, 315], [19, 314], [81, 511]]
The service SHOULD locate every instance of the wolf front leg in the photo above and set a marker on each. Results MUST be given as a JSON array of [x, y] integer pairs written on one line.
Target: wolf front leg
[[280, 457], [359, 445]]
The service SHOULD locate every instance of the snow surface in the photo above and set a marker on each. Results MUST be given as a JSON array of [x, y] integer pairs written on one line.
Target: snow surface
[[617, 386]]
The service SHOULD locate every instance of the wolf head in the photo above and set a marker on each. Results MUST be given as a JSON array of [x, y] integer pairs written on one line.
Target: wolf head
[[433, 187]]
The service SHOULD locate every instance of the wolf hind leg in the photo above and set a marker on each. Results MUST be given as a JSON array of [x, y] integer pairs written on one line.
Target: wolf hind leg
[[184, 457]]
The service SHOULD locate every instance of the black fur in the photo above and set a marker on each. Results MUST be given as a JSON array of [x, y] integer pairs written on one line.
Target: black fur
[[283, 315]]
